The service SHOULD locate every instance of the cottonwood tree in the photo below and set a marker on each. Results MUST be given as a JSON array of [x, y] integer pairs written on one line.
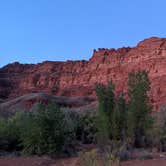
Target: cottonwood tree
[[139, 120]]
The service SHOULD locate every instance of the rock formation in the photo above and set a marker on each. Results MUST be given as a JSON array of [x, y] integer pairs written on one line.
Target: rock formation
[[77, 78]]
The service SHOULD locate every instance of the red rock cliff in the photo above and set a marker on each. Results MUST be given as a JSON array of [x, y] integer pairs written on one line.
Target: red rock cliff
[[77, 78]]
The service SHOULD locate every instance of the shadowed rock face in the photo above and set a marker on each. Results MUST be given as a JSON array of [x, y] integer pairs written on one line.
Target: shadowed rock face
[[77, 78]]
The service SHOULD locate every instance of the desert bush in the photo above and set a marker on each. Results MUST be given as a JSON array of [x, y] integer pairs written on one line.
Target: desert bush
[[145, 155], [86, 129], [47, 130], [158, 134], [123, 153], [10, 133], [120, 150], [70, 145], [97, 158], [4, 143], [89, 158], [44, 131]]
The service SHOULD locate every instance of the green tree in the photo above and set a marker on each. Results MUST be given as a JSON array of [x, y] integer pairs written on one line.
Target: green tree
[[139, 119], [119, 120], [44, 131], [106, 99]]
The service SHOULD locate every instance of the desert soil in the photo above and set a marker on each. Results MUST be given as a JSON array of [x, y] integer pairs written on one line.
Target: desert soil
[[45, 161]]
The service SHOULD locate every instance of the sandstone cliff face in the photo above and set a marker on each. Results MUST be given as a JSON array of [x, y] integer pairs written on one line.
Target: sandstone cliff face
[[77, 78]]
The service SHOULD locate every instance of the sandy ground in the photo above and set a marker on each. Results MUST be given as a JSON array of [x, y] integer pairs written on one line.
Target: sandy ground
[[157, 162], [36, 161]]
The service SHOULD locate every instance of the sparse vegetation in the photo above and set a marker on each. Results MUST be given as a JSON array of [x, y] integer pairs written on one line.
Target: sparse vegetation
[[97, 158]]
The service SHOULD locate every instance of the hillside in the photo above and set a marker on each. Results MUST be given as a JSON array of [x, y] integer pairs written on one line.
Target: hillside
[[77, 78]]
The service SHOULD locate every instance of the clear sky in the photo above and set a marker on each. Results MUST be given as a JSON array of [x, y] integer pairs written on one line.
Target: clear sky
[[32, 31]]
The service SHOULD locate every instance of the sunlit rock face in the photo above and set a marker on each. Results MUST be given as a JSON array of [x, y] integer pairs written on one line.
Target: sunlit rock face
[[77, 78]]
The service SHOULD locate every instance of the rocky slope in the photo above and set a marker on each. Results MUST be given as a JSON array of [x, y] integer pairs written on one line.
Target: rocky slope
[[77, 78]]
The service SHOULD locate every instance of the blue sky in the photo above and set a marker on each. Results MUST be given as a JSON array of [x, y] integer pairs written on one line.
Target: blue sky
[[32, 31]]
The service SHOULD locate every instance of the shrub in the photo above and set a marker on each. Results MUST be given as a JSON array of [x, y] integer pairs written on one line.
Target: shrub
[[86, 129], [44, 131], [158, 134], [10, 133], [145, 155], [69, 147], [96, 158], [123, 153]]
